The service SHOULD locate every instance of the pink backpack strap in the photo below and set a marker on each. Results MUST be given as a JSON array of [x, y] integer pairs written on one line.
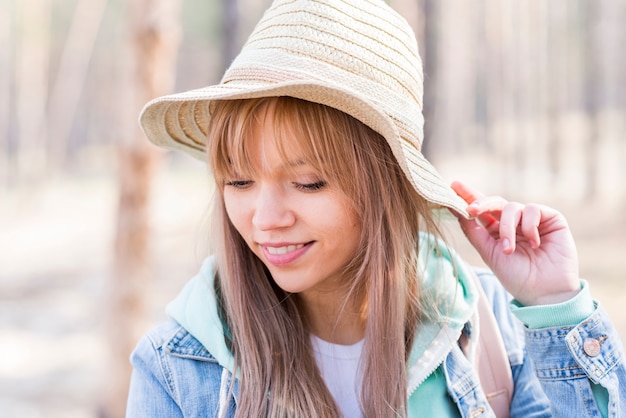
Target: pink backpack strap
[[491, 360]]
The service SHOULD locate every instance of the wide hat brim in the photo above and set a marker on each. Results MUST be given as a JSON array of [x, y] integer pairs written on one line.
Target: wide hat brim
[[180, 122], [359, 57]]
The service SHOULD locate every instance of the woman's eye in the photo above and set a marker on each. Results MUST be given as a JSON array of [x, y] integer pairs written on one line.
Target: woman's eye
[[310, 187], [238, 184]]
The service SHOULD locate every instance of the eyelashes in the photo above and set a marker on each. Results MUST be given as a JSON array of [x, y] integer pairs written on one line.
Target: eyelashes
[[311, 187], [238, 184], [306, 187]]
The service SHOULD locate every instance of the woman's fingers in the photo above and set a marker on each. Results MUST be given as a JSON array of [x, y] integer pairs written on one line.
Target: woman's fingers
[[506, 221], [529, 247], [531, 219], [465, 192], [485, 210], [510, 220]]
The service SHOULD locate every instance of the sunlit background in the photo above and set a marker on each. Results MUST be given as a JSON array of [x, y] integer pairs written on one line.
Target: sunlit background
[[98, 229]]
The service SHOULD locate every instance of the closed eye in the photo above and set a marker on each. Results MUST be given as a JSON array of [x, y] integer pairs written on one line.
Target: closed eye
[[310, 187], [238, 184]]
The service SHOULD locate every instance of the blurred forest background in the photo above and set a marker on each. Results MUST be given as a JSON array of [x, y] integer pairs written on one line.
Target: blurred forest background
[[99, 229]]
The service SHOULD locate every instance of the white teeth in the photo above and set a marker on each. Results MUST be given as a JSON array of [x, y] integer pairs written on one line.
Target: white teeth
[[283, 250]]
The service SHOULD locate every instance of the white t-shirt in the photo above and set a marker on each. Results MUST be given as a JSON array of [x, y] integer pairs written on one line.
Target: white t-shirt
[[339, 365]]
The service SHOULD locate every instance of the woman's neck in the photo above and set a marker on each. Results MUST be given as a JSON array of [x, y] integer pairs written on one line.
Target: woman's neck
[[333, 319]]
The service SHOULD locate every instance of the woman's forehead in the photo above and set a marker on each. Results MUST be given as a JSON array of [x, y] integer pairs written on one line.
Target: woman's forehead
[[272, 143], [295, 132]]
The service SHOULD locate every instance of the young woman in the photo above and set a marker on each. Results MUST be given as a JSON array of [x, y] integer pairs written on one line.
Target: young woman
[[328, 291]]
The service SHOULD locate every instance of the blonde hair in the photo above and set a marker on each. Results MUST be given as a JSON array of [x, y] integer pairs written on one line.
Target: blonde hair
[[270, 336]]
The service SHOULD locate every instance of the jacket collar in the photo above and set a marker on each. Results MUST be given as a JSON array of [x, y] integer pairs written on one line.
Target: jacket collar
[[183, 344], [450, 302], [195, 308]]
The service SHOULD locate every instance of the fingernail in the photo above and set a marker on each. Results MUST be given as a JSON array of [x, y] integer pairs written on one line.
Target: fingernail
[[473, 207], [506, 244]]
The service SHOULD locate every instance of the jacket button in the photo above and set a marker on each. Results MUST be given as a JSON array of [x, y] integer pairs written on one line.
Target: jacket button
[[591, 346]]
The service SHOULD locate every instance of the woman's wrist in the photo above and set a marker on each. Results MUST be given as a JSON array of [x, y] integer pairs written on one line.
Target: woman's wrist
[[564, 313], [554, 298]]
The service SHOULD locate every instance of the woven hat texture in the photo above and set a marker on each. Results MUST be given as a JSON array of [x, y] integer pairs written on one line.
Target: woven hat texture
[[358, 56]]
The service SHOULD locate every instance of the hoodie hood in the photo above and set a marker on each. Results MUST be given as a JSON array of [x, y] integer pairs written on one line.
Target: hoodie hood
[[449, 299], [195, 308]]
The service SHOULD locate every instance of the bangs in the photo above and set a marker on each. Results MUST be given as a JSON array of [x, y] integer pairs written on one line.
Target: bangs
[[304, 132], [232, 122]]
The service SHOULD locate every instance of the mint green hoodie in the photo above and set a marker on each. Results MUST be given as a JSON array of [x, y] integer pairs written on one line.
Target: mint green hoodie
[[451, 297]]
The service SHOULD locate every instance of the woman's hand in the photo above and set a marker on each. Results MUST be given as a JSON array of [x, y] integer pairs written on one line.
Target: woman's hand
[[529, 247]]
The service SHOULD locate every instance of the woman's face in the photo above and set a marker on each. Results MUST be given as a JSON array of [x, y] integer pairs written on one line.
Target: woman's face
[[303, 229]]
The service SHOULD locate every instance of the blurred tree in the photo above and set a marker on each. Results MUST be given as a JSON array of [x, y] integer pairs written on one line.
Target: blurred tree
[[230, 31], [428, 51], [67, 87], [153, 30], [6, 61], [555, 75], [602, 72], [31, 80], [595, 93], [423, 17]]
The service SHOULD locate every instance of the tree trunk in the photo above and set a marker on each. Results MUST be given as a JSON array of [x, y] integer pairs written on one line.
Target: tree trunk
[[230, 31], [31, 78], [6, 80], [428, 51], [153, 30], [73, 68]]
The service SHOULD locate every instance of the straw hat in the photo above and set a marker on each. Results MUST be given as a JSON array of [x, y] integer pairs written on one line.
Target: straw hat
[[358, 56]]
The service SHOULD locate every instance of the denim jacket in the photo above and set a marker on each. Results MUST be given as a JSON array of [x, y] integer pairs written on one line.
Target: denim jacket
[[175, 375]]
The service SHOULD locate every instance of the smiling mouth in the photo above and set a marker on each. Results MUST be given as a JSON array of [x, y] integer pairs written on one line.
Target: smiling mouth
[[284, 255], [283, 250]]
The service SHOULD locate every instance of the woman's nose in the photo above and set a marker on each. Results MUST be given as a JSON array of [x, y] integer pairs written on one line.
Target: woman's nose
[[272, 209]]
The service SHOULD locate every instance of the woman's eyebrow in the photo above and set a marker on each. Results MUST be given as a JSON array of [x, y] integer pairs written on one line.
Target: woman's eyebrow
[[291, 164], [295, 163]]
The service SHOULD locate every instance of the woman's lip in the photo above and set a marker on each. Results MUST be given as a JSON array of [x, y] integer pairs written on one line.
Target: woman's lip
[[281, 254]]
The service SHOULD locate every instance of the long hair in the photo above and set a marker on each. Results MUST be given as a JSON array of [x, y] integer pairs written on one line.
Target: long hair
[[270, 336]]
